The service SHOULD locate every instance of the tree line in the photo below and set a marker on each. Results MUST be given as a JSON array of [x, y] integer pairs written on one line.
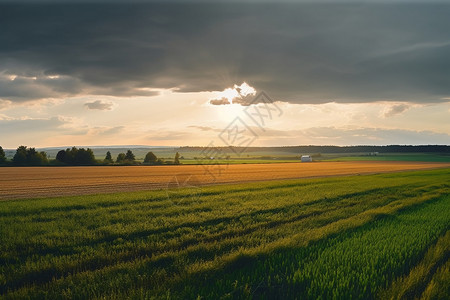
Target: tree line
[[27, 156]]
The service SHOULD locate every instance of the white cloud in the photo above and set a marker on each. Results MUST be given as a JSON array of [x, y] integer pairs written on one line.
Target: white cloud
[[203, 128], [4, 104], [174, 136], [239, 94], [102, 131], [5, 117]]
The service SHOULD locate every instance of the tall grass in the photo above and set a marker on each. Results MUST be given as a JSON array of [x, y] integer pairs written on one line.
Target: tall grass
[[423, 275], [253, 239]]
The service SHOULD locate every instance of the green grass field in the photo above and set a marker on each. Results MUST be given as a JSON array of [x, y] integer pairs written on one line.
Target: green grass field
[[363, 237], [235, 161], [426, 157], [277, 158]]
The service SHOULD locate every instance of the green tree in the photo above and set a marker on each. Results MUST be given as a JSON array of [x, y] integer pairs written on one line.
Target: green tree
[[130, 156], [177, 159], [44, 157], [35, 158], [150, 158], [75, 156], [108, 158], [61, 156], [84, 157], [20, 157], [120, 158], [2, 155], [70, 155], [29, 156]]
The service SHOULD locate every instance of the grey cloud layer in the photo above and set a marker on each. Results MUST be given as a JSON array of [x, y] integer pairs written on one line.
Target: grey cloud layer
[[100, 105], [31, 125], [396, 109], [297, 53]]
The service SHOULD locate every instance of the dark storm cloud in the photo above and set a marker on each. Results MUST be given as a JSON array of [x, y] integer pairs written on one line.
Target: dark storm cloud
[[31, 87], [300, 53]]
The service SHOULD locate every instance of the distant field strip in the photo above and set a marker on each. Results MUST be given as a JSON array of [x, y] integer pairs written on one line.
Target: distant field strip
[[33, 182], [342, 237]]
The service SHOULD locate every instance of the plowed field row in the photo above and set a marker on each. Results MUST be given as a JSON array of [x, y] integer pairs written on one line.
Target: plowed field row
[[33, 182]]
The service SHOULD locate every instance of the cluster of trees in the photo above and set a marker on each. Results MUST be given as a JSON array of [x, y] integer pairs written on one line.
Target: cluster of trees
[[76, 157], [122, 158], [25, 156], [29, 157], [130, 159], [151, 159]]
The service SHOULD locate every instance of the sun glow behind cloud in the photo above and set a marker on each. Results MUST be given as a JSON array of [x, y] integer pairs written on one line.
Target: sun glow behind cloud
[[235, 95]]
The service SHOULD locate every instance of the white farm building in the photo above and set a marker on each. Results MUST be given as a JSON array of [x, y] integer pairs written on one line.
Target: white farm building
[[306, 158]]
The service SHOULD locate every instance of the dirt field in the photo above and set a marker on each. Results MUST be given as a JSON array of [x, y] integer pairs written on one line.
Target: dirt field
[[33, 182]]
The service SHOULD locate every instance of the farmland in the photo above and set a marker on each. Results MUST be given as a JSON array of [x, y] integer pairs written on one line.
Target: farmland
[[424, 157], [32, 182], [379, 235]]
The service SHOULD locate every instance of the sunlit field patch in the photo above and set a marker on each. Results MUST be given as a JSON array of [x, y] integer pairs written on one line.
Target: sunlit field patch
[[33, 182]]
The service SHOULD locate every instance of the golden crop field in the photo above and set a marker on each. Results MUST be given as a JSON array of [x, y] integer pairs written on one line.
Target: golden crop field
[[34, 182]]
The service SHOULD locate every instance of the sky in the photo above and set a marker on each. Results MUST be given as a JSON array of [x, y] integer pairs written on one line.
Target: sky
[[256, 73]]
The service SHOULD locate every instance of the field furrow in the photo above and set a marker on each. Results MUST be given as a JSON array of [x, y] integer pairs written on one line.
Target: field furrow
[[36, 182]]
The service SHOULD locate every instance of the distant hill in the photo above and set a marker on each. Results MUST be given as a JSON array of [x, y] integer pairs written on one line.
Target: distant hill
[[340, 149]]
